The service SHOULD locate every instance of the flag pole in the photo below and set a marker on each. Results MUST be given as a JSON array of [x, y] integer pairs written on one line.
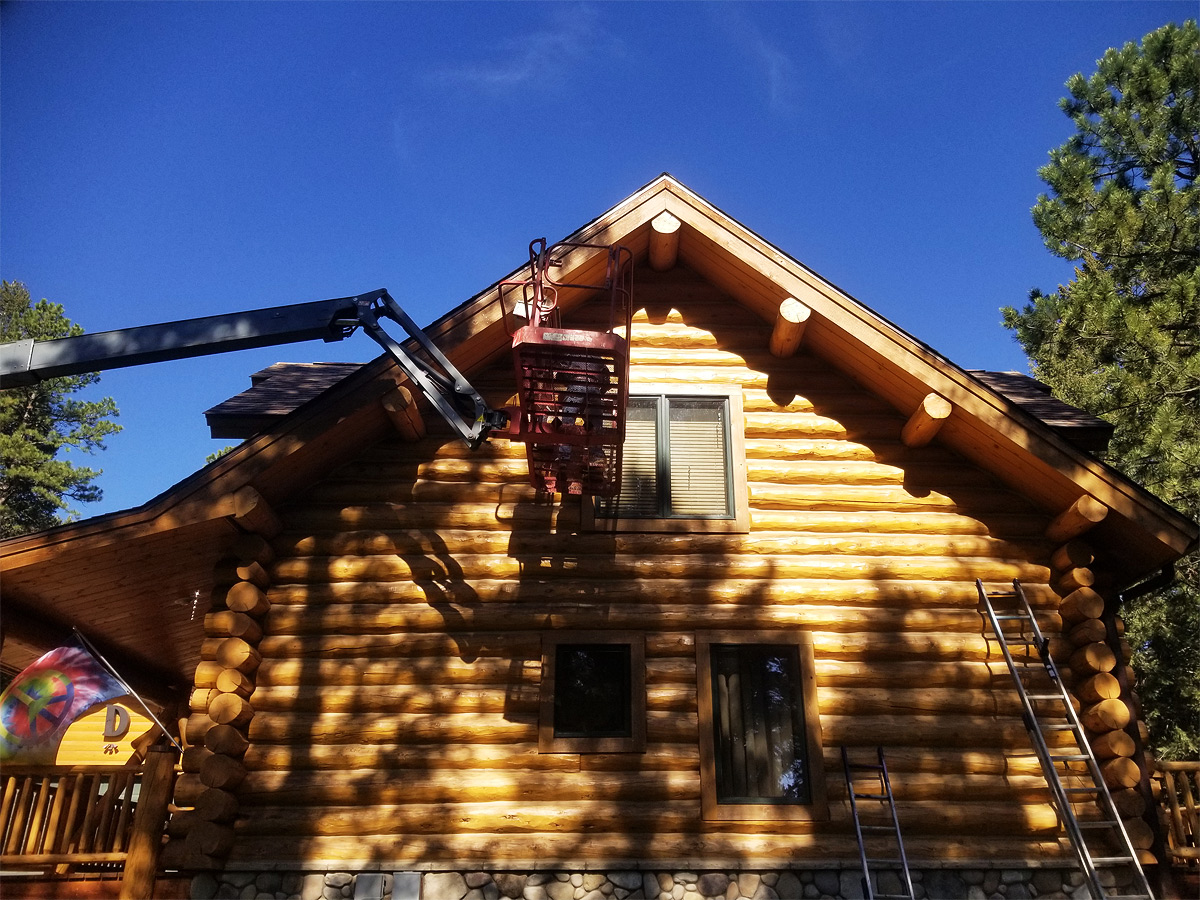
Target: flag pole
[[91, 648]]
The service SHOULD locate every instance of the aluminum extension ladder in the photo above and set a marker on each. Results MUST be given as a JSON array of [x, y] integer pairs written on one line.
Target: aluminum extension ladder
[[1100, 844], [879, 791]]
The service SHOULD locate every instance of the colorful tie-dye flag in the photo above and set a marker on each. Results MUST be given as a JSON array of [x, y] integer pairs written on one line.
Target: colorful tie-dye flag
[[41, 703]]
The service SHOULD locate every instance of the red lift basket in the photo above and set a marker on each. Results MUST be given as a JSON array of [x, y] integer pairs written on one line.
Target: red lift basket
[[572, 384]]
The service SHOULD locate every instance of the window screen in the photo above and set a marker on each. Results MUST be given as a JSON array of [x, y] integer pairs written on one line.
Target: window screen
[[758, 724], [675, 460]]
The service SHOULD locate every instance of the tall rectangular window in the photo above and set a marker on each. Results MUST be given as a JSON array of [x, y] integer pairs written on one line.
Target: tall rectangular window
[[681, 461], [758, 725], [760, 745]]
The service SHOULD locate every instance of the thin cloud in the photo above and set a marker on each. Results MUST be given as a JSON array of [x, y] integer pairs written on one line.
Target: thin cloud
[[772, 64], [542, 56]]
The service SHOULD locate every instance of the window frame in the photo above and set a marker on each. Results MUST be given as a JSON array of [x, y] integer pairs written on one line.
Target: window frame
[[548, 742], [817, 810], [738, 522]]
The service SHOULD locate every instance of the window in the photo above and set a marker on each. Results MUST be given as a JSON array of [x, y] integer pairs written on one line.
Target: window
[[682, 465], [760, 741], [593, 695]]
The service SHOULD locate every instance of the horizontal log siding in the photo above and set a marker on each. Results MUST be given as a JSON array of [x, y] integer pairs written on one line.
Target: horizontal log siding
[[396, 704]]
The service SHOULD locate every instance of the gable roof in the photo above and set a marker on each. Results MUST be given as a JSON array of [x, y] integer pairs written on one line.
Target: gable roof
[[56, 577], [284, 387]]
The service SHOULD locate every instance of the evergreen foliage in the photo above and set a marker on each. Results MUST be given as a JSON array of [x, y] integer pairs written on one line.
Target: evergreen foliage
[[1122, 339], [38, 422]]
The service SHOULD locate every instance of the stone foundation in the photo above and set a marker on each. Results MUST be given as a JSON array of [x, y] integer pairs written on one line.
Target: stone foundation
[[819, 884]]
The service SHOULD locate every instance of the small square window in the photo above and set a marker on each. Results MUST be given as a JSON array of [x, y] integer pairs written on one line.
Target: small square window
[[593, 693], [760, 745]]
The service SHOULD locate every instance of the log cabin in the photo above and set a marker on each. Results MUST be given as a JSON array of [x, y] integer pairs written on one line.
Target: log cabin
[[401, 670]]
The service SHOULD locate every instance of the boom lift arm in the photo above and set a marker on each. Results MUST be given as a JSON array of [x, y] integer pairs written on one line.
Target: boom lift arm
[[29, 361]]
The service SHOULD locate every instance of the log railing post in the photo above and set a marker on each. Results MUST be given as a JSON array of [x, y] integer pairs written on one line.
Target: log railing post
[[158, 776]]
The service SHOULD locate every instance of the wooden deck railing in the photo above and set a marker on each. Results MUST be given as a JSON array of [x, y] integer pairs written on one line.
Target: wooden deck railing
[[60, 819], [1179, 786], [77, 815]]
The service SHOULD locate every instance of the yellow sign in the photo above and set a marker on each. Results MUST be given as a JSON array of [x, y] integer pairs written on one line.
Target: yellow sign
[[105, 735]]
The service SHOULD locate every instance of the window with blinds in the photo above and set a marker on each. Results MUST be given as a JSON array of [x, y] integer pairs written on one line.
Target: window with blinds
[[675, 461]]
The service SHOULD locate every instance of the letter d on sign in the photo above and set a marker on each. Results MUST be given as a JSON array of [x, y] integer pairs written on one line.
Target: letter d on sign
[[116, 723]]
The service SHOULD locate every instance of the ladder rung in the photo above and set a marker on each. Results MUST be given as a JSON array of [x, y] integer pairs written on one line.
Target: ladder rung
[[1067, 726], [1112, 860], [1070, 757], [870, 796], [1043, 696], [1103, 823], [877, 828]]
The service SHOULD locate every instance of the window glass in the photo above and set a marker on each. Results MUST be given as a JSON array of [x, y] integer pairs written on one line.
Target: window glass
[[592, 690], [758, 724], [675, 460]]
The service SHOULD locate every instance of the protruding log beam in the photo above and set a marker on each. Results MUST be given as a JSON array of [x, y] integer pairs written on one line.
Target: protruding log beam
[[252, 512], [1092, 658], [197, 726], [230, 709], [789, 327], [253, 548], [1086, 632], [226, 739], [926, 421], [1073, 579], [1141, 837], [227, 623], [400, 407], [247, 598], [1129, 802], [664, 242], [223, 772], [209, 839], [1072, 555], [217, 805], [231, 571], [234, 653], [1121, 772], [1080, 604], [231, 681], [1107, 715], [1085, 513], [1113, 744], [188, 788], [1101, 686], [206, 673], [193, 758]]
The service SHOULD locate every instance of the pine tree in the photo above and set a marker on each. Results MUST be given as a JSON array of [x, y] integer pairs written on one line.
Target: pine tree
[[1122, 339], [38, 422]]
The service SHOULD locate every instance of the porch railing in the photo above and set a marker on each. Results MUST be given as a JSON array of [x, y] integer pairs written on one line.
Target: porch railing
[[59, 820], [1179, 792], [78, 815]]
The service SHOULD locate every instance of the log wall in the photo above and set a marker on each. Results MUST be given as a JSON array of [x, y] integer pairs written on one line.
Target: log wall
[[395, 689]]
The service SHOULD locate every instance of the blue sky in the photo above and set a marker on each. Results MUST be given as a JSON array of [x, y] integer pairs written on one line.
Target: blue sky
[[169, 160]]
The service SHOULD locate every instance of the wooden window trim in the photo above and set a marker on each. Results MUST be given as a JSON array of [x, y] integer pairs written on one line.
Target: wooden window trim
[[636, 742], [739, 522], [713, 811]]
